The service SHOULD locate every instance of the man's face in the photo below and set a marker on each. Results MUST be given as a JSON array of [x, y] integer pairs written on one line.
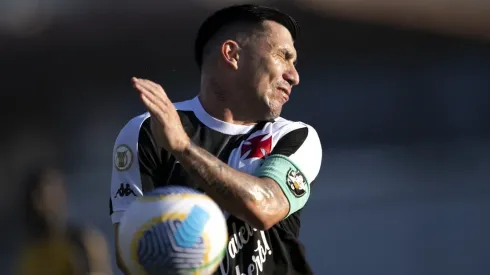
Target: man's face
[[51, 197], [267, 69]]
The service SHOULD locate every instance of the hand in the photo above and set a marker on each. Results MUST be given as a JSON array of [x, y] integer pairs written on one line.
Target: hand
[[166, 124]]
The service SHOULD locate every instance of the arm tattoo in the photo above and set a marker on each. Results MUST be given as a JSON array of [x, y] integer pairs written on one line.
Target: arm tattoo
[[232, 189]]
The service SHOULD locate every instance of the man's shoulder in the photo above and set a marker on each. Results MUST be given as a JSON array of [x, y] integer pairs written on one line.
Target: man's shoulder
[[294, 135], [130, 131], [301, 143], [284, 126], [285, 121]]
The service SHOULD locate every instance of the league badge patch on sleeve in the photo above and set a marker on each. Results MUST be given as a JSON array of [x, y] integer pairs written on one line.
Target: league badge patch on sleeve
[[296, 182], [123, 157]]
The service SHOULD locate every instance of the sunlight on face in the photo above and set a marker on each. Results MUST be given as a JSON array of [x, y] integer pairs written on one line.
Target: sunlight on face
[[272, 66]]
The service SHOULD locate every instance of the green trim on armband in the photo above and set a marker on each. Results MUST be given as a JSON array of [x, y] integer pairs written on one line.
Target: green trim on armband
[[292, 182]]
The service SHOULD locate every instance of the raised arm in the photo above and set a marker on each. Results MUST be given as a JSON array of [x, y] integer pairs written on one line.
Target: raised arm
[[279, 187], [259, 201]]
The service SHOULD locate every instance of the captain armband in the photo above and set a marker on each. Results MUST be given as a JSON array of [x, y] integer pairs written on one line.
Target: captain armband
[[291, 180]]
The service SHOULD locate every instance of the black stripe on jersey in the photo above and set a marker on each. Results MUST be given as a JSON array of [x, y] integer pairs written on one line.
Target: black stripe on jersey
[[291, 142], [111, 209], [147, 156]]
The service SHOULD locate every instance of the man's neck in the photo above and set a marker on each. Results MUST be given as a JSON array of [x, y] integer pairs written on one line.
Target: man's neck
[[220, 109]]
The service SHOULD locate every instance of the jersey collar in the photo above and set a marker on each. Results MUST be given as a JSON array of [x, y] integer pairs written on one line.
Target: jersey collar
[[216, 124]]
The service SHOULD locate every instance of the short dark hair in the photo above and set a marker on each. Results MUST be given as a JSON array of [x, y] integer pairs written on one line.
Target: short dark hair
[[246, 13]]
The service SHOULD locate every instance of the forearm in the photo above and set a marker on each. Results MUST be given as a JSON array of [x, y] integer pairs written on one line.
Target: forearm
[[242, 195]]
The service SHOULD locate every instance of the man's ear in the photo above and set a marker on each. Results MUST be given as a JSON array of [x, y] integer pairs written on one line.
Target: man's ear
[[230, 51]]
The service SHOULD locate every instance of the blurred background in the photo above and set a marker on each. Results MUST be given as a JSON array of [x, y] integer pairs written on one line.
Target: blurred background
[[398, 90]]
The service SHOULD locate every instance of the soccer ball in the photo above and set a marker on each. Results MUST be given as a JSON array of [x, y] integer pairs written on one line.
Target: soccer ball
[[173, 230]]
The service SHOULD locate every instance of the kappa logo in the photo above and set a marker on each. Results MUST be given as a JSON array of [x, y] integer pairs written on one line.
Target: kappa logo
[[257, 147], [296, 182], [124, 191]]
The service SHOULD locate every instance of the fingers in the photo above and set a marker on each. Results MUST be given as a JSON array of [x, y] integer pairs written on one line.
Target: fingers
[[144, 86], [150, 86], [153, 96], [147, 83], [150, 105], [171, 135], [153, 102]]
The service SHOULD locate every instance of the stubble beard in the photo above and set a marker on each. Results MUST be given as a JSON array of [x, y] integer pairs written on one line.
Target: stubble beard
[[274, 107]]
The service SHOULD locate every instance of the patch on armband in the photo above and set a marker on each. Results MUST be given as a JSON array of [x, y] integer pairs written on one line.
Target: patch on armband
[[289, 177], [296, 182]]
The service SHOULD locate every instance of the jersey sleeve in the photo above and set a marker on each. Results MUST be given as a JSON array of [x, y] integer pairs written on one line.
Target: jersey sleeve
[[294, 164], [132, 166]]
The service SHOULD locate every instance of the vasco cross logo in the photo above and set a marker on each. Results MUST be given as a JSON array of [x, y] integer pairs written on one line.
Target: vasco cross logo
[[296, 182], [257, 147], [124, 191], [123, 157]]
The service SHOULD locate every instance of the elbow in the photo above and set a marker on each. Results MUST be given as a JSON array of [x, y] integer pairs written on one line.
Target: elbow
[[259, 220], [265, 225], [259, 223]]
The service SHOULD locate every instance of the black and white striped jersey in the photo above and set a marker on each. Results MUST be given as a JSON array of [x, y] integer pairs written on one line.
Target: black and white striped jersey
[[140, 165]]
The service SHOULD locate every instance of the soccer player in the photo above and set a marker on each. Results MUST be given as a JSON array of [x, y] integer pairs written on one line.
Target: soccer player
[[230, 141], [53, 245]]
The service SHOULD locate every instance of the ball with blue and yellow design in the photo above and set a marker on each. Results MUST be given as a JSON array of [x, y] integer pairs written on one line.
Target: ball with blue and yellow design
[[173, 230]]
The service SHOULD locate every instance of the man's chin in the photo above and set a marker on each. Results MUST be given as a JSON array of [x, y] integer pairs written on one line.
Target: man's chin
[[273, 110], [273, 114]]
